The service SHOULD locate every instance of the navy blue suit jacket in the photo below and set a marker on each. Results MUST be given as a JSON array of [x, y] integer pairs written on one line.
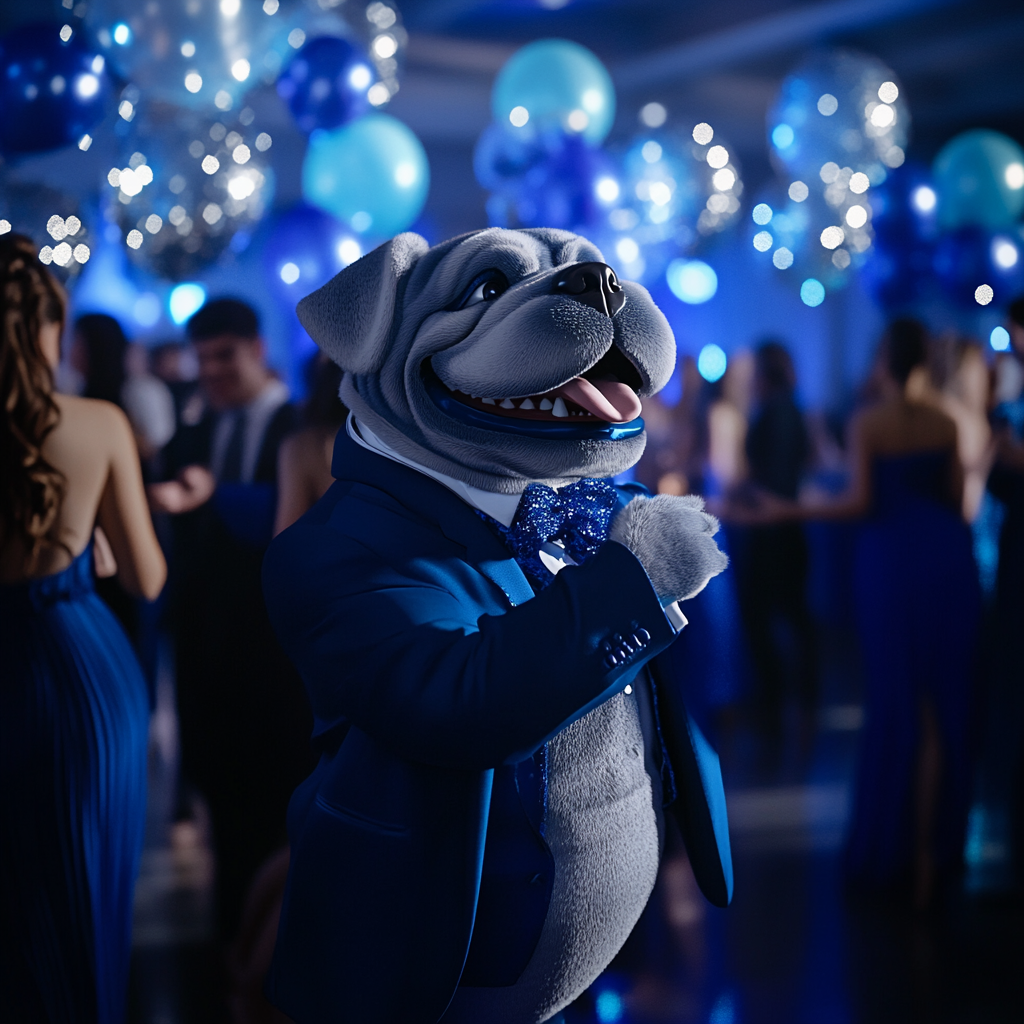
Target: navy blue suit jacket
[[430, 663]]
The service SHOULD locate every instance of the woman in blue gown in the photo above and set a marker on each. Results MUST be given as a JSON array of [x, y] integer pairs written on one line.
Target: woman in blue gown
[[73, 704], [918, 604]]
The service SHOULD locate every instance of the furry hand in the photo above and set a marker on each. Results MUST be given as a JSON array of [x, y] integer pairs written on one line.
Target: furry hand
[[672, 537]]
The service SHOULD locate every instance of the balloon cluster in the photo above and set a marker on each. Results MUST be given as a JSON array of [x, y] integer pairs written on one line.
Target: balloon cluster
[[553, 105], [837, 129], [542, 163], [952, 232]]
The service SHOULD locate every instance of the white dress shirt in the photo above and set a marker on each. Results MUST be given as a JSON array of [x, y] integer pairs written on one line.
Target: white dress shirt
[[259, 412]]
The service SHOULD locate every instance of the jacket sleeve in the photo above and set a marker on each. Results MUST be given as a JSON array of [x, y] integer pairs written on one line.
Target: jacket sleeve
[[402, 651]]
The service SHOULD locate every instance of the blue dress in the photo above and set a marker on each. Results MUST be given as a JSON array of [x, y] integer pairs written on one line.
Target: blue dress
[[918, 603], [73, 730]]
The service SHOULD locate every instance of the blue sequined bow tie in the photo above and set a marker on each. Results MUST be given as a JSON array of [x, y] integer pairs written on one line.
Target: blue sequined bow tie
[[577, 516]]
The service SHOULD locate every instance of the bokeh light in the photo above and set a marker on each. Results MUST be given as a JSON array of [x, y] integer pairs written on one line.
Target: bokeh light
[[812, 292], [184, 300], [711, 363], [999, 339], [692, 281]]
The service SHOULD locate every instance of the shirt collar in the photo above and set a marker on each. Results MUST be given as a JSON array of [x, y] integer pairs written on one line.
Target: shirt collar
[[501, 507]]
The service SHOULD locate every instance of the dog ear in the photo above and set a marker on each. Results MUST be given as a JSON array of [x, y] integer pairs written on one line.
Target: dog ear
[[352, 316]]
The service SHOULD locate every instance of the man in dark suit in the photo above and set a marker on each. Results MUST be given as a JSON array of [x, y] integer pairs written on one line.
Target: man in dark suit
[[243, 717]]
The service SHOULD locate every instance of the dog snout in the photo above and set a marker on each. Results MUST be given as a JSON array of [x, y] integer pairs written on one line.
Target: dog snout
[[593, 284]]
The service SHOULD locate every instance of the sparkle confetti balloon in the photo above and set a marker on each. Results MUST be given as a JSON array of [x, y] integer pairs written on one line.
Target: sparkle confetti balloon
[[841, 107], [187, 187]]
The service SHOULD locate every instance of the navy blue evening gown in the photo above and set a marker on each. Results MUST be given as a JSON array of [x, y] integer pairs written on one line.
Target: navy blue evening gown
[[918, 603], [73, 728]]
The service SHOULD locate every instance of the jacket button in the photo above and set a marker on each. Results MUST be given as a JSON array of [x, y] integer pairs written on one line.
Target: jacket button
[[642, 637], [611, 661], [640, 641]]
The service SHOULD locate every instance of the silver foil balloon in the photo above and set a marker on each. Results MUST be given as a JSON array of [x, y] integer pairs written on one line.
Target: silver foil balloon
[[188, 187]]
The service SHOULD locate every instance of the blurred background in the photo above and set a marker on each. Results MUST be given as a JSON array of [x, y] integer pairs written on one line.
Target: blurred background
[[825, 199]]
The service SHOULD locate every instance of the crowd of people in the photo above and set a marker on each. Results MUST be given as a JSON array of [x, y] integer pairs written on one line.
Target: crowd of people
[[932, 474], [125, 468]]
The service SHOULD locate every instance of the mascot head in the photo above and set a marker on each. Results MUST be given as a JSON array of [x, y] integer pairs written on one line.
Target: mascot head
[[498, 357]]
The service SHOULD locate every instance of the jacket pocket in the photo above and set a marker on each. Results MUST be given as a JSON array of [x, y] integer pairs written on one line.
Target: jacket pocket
[[347, 815]]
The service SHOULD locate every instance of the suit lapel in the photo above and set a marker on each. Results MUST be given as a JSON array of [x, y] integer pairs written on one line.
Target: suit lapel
[[429, 499]]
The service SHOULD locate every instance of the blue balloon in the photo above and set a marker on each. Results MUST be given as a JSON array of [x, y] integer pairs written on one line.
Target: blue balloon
[[373, 174], [555, 83], [979, 176], [969, 257], [305, 248], [52, 90], [899, 266], [326, 83], [503, 157], [552, 180]]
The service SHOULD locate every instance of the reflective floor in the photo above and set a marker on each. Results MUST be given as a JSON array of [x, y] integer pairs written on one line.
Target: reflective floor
[[795, 947]]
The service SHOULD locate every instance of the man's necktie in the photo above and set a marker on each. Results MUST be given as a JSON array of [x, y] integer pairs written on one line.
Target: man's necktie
[[577, 517], [231, 468]]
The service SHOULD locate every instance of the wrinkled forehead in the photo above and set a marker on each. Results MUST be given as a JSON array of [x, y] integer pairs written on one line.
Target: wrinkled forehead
[[446, 270]]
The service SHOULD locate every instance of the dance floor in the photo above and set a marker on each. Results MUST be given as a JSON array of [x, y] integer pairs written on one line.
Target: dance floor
[[795, 947]]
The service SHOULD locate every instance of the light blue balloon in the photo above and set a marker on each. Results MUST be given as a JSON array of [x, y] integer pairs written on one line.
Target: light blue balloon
[[372, 173], [979, 176], [558, 83]]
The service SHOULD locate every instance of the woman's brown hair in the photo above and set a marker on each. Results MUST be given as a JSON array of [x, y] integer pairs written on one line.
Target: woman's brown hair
[[32, 489]]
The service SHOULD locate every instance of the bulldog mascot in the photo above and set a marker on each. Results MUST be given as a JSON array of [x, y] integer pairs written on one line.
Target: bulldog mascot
[[476, 610]]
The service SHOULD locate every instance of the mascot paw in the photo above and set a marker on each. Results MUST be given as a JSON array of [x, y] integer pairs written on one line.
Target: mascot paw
[[672, 537]]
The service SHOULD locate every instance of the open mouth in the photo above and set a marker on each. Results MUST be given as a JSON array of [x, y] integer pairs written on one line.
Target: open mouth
[[601, 403]]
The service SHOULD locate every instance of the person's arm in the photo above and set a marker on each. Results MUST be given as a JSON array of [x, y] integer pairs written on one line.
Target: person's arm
[[124, 516], [194, 487], [855, 501], [406, 656]]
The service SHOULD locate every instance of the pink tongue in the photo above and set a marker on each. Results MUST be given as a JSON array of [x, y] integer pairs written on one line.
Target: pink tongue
[[607, 399]]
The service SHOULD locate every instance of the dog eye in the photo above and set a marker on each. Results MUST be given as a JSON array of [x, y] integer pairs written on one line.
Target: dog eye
[[486, 288]]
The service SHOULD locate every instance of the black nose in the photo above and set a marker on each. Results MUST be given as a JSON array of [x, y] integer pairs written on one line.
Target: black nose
[[593, 284]]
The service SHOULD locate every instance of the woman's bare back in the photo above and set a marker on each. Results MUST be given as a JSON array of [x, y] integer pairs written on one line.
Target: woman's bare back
[[92, 446], [901, 427]]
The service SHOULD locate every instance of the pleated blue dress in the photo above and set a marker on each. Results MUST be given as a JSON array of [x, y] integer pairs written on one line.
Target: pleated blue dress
[[73, 729]]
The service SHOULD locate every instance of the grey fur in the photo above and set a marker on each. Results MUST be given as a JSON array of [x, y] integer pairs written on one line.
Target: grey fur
[[385, 316], [602, 831], [672, 537]]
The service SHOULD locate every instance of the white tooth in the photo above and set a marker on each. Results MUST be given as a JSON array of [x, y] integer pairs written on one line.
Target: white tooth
[[508, 404], [487, 401], [545, 404], [527, 403], [559, 408]]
